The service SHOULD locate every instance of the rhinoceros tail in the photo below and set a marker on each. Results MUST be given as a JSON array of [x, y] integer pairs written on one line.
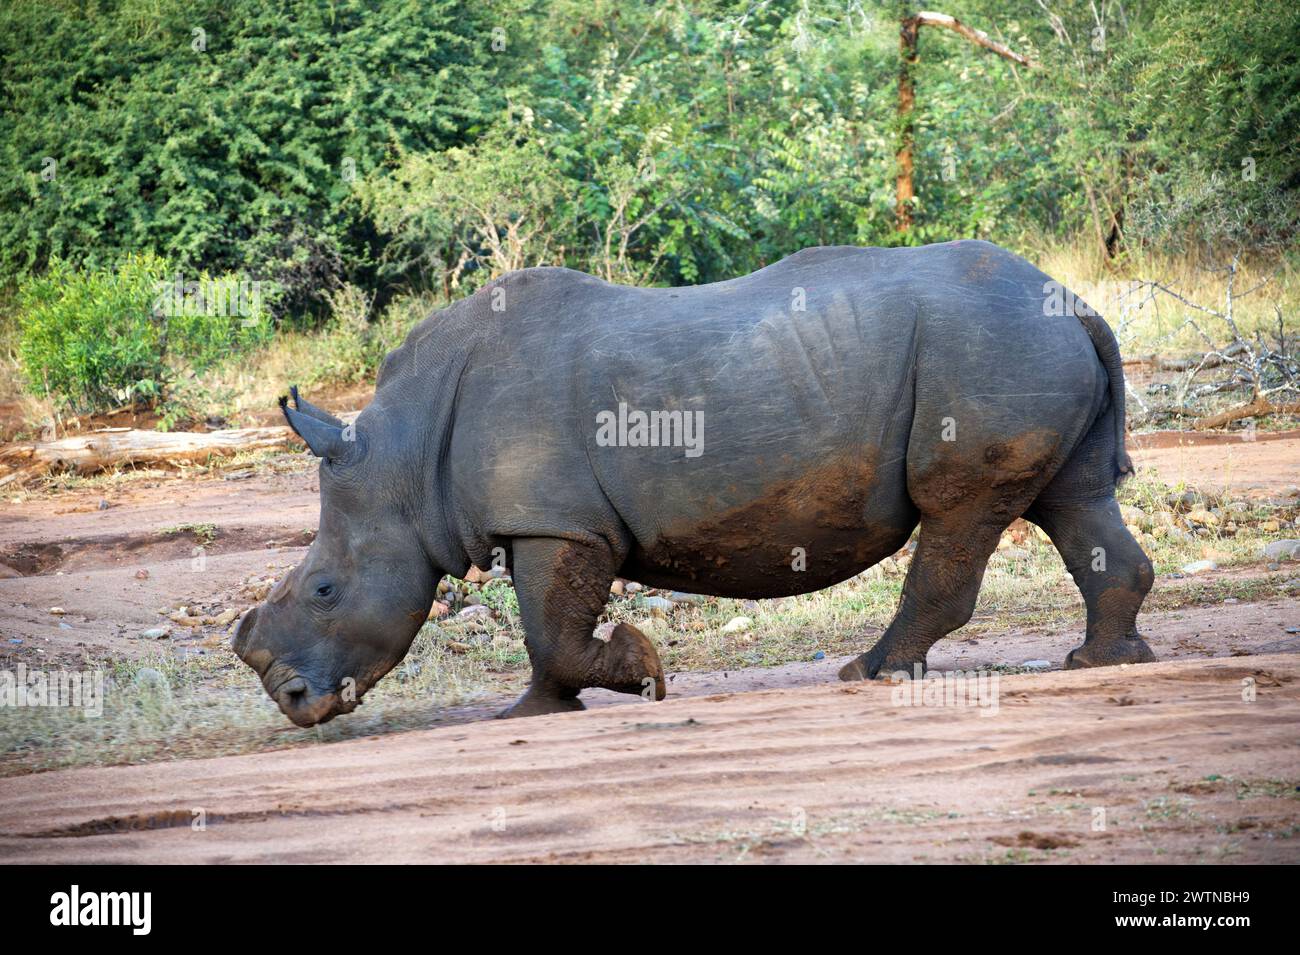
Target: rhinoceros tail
[[1103, 340]]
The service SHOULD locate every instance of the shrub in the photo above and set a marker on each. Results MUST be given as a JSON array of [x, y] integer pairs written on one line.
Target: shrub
[[95, 339]]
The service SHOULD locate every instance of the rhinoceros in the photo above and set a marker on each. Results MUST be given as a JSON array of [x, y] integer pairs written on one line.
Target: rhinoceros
[[760, 437]]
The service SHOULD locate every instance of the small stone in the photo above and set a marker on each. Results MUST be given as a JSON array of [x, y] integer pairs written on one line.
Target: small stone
[[142, 574], [737, 625], [660, 605], [225, 617], [1037, 664], [439, 609], [57, 611], [1203, 517], [1285, 549], [819, 655], [1015, 553], [104, 505], [149, 677], [1186, 500], [1199, 567], [156, 633], [682, 598], [633, 587], [475, 612], [616, 588], [1270, 526]]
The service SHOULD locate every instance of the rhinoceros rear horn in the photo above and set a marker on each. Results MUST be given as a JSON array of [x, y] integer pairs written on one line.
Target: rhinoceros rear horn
[[326, 440]]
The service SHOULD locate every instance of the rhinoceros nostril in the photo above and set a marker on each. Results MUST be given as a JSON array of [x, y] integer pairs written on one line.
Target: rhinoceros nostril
[[292, 693]]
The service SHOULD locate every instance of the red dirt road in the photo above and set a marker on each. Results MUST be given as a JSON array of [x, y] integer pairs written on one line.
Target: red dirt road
[[1164, 762]]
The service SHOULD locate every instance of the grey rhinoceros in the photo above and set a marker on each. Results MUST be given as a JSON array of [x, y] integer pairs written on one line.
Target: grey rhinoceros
[[760, 437]]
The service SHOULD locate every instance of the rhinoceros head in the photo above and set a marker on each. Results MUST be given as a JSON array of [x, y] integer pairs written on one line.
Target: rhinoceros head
[[347, 614]]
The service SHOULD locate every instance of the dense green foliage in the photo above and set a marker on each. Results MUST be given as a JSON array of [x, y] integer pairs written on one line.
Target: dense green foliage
[[429, 144], [223, 134], [99, 338]]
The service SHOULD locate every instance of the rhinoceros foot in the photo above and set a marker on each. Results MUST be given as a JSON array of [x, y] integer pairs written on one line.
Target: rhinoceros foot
[[1131, 649]]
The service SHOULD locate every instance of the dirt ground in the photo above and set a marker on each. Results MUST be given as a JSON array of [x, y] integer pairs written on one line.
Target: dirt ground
[[1165, 762]]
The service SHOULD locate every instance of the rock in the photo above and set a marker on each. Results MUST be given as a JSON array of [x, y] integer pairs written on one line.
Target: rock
[[660, 604], [475, 576], [1270, 526], [473, 600], [1288, 548], [1037, 664], [616, 588], [103, 504], [439, 609], [443, 586], [475, 612], [224, 618], [737, 625], [681, 598], [633, 587], [156, 633], [1015, 553], [149, 677], [57, 611], [819, 655], [1203, 517], [142, 574], [1272, 565], [1132, 515], [1199, 567], [1237, 507], [1185, 500]]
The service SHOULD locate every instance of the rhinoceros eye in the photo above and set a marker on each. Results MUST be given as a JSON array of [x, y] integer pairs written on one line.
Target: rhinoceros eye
[[325, 591]]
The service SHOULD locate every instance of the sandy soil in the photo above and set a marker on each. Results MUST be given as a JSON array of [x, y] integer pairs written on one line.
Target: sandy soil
[[768, 764], [1163, 762], [1265, 468]]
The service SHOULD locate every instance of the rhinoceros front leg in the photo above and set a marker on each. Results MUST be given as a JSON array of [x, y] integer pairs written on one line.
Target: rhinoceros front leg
[[562, 587]]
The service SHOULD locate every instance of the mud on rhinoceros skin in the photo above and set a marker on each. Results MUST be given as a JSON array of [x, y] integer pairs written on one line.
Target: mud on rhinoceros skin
[[926, 386]]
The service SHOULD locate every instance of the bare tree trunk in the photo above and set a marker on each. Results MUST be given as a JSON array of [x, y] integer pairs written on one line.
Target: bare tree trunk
[[909, 56]]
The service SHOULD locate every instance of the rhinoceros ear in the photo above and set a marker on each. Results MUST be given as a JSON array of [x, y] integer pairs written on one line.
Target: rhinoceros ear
[[306, 407], [329, 441]]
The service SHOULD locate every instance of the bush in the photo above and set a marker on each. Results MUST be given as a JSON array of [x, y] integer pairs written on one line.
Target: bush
[[95, 339]]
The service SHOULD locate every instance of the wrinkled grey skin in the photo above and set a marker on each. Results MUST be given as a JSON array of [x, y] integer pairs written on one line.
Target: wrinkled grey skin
[[846, 395]]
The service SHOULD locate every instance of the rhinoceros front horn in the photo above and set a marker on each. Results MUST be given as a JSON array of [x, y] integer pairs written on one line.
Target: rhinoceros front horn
[[325, 439], [306, 407]]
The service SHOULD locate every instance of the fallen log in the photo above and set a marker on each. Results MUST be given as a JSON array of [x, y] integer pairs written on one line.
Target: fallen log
[[1259, 407], [115, 447]]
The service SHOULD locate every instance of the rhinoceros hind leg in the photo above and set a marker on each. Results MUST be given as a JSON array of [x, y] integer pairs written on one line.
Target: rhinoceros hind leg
[[562, 587], [1110, 570]]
